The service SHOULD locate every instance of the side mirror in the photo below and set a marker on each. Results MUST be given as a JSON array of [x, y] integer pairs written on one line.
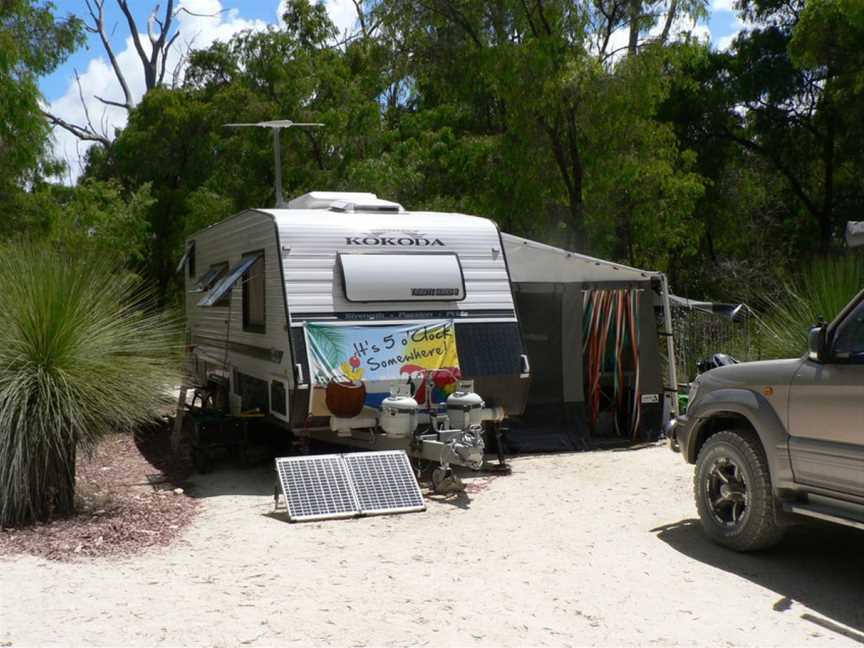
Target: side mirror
[[817, 343]]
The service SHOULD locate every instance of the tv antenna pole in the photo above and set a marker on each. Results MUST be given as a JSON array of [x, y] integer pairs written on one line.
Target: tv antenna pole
[[276, 126]]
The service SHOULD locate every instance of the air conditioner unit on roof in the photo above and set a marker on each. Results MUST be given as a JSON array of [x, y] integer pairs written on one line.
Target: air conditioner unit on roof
[[376, 205], [326, 199]]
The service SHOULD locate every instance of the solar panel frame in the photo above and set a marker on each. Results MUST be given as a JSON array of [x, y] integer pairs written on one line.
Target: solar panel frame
[[335, 496], [336, 486], [384, 482]]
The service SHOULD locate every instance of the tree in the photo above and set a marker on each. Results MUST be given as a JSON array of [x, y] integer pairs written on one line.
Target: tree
[[784, 109], [162, 33], [32, 43], [527, 73], [81, 354]]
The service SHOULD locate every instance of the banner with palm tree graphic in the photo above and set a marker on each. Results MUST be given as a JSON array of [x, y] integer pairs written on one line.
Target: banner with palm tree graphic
[[383, 355]]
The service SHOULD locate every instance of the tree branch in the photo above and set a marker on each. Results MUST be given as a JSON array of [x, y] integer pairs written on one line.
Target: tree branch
[[82, 133], [97, 13], [670, 16], [794, 182], [83, 103], [108, 102], [133, 30]]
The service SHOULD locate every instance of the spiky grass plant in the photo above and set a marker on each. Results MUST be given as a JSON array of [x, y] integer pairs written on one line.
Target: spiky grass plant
[[820, 292], [82, 354]]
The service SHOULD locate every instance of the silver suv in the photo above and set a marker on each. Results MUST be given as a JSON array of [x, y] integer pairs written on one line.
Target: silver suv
[[776, 440]]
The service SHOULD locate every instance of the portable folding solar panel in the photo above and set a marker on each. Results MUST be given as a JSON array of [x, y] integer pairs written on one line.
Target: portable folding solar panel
[[337, 486], [384, 482], [316, 487]]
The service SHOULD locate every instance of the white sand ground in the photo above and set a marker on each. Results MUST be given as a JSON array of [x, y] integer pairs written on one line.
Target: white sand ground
[[583, 549]]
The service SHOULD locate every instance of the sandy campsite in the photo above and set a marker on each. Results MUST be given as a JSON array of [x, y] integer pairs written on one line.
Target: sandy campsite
[[597, 548]]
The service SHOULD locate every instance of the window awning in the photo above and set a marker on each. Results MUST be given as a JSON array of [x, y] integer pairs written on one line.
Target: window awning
[[227, 283], [402, 277], [209, 278], [189, 249]]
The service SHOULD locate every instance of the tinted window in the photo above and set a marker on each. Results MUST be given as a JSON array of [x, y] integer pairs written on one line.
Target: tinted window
[[190, 262], [849, 340], [254, 312]]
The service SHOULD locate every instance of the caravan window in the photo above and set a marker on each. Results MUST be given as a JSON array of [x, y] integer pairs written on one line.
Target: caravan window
[[402, 277], [219, 294], [254, 312], [209, 278]]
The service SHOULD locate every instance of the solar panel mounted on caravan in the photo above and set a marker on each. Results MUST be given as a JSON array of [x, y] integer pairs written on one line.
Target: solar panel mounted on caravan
[[346, 265]]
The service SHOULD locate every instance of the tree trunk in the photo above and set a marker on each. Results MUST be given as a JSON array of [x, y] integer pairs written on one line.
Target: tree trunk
[[60, 481], [635, 15], [41, 486], [826, 215], [569, 163]]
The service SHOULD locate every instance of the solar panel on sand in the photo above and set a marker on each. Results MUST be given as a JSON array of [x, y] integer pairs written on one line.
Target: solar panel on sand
[[321, 487]]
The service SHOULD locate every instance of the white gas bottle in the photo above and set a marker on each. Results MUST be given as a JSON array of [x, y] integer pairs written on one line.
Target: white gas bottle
[[464, 408], [398, 416]]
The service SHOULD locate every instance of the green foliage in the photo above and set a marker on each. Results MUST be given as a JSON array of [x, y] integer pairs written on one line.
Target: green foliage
[[819, 293], [81, 354], [32, 43], [723, 169], [95, 217]]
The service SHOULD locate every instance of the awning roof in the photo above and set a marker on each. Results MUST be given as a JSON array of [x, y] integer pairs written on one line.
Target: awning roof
[[530, 261]]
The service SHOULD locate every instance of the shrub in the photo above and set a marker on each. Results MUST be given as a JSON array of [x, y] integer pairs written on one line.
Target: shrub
[[821, 291], [82, 353]]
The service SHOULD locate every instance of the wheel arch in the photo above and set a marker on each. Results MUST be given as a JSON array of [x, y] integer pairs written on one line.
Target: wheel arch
[[729, 409]]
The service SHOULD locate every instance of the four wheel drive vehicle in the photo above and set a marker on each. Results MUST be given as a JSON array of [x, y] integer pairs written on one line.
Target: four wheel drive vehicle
[[776, 440]]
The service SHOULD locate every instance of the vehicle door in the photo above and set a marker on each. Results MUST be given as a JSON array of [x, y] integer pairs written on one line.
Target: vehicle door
[[826, 409]]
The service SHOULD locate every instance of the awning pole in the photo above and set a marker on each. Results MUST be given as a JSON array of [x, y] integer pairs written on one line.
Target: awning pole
[[670, 344]]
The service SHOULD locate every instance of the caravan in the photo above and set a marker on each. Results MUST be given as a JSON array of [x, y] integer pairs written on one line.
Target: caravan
[[286, 305]]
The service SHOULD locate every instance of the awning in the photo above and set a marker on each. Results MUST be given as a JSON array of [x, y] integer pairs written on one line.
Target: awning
[[190, 249], [533, 262], [226, 284], [209, 278], [735, 312]]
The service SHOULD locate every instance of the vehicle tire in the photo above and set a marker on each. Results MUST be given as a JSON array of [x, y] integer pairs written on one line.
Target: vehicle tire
[[733, 492]]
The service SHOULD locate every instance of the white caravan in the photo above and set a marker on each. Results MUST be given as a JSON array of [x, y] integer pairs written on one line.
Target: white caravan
[[415, 305]]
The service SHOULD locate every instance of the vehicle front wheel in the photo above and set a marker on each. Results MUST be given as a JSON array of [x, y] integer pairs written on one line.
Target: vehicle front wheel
[[733, 492]]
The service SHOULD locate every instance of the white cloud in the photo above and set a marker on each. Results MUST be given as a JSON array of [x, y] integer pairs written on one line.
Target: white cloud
[[723, 5], [209, 24], [342, 13], [725, 42], [98, 79], [681, 25]]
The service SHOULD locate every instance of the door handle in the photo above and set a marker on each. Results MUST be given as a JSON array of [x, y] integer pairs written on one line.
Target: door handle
[[525, 366], [298, 373]]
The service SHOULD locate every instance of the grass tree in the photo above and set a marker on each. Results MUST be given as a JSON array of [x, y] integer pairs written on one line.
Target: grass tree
[[82, 354], [820, 292]]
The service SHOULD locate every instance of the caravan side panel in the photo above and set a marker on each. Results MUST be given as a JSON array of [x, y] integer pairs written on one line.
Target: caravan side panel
[[252, 359]]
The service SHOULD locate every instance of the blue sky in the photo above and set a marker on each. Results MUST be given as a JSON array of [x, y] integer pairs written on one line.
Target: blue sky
[[56, 84], [224, 18]]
